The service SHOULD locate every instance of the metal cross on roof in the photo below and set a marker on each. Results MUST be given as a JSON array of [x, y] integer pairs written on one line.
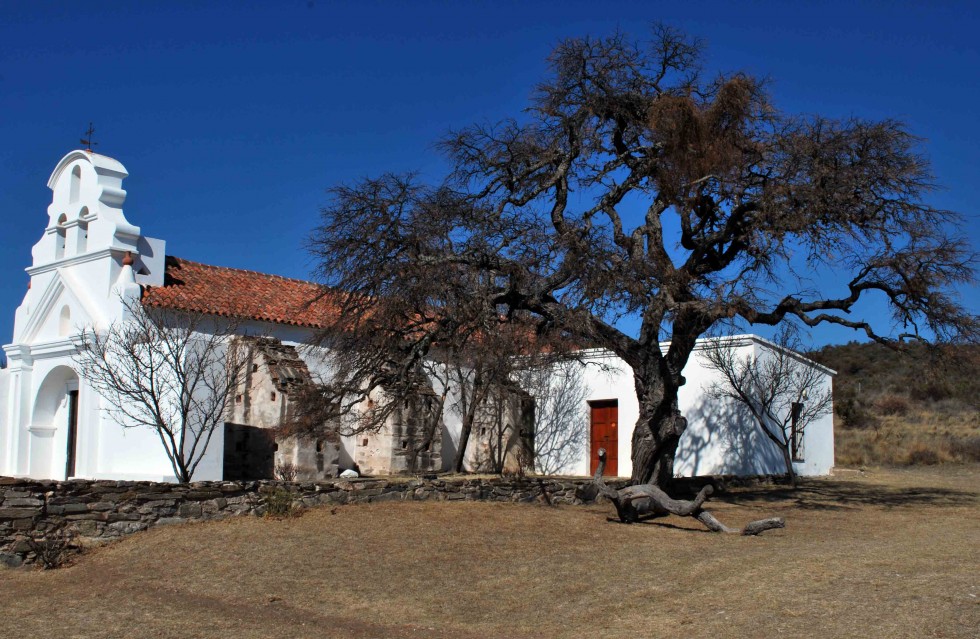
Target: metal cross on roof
[[87, 140]]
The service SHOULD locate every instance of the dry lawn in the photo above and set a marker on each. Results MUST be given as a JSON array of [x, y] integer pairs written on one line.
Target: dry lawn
[[888, 554]]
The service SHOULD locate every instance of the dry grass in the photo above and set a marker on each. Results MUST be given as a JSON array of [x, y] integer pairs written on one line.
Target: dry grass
[[918, 437], [889, 554]]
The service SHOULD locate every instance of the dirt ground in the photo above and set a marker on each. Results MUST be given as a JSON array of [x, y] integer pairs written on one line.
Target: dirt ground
[[890, 553]]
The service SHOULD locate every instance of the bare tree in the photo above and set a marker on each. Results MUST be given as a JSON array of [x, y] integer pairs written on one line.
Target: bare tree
[[493, 370], [410, 403], [634, 188], [386, 335], [560, 427], [475, 380], [165, 370], [394, 329], [783, 393], [422, 415]]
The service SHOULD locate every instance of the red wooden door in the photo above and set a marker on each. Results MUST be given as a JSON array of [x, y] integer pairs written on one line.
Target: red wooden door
[[605, 434]]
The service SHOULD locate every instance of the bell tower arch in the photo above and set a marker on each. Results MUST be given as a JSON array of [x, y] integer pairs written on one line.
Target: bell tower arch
[[85, 215]]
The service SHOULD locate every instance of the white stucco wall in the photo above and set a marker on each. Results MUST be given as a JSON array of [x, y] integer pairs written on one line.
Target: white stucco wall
[[4, 407], [77, 281], [720, 437]]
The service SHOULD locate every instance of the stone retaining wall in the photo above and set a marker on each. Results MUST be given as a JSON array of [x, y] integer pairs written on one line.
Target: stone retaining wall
[[102, 510]]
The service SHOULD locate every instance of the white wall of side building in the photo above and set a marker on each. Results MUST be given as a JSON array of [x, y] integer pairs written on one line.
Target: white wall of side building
[[721, 437]]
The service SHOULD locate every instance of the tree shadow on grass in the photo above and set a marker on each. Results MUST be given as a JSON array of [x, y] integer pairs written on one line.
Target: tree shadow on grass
[[842, 495], [695, 527], [658, 520]]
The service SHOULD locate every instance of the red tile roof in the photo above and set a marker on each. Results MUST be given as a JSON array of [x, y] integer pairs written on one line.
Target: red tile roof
[[232, 292]]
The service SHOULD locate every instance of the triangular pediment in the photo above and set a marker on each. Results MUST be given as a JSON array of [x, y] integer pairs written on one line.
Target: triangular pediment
[[49, 320]]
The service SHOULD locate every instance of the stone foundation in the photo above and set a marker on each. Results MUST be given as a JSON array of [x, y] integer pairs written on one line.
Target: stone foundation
[[103, 510]]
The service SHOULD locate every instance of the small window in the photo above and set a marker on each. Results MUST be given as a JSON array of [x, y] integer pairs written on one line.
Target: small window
[[796, 432], [272, 396], [64, 321], [76, 184]]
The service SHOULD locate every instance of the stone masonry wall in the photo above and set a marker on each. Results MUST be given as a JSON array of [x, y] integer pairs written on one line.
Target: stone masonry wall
[[102, 510]]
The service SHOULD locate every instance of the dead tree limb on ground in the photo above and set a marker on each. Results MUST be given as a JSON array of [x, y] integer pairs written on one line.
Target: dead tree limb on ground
[[648, 501]]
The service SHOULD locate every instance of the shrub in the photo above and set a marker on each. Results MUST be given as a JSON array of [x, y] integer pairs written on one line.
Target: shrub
[[892, 404], [853, 414], [55, 548], [922, 455], [931, 388], [965, 449], [286, 472], [279, 503]]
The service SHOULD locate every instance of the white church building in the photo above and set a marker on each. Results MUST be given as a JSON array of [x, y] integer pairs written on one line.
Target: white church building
[[90, 260]]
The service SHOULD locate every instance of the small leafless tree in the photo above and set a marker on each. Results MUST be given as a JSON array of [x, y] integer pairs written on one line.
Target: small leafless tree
[[396, 333], [386, 345], [343, 403], [489, 372], [782, 392], [170, 371], [559, 393], [286, 472]]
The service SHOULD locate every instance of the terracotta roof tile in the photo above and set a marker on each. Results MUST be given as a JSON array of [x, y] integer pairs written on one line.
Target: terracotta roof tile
[[232, 292]]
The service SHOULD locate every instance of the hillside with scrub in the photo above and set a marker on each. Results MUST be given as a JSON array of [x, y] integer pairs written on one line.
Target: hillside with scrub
[[918, 406]]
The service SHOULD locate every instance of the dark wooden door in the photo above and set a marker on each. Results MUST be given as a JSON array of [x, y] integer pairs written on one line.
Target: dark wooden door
[[605, 434], [250, 452], [72, 434]]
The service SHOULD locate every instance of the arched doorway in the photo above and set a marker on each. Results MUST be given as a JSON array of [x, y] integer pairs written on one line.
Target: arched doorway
[[54, 426]]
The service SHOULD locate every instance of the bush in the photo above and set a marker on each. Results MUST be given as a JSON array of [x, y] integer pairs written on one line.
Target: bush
[[965, 449], [892, 404], [55, 548], [922, 455], [853, 414], [931, 390], [286, 472], [279, 504]]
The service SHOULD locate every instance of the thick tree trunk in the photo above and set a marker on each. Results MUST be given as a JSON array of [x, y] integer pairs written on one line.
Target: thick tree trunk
[[658, 430]]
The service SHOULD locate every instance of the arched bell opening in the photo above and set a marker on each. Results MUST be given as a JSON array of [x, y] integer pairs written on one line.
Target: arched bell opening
[[61, 237]]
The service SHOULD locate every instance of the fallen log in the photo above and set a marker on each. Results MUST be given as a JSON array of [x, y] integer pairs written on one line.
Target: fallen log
[[647, 501]]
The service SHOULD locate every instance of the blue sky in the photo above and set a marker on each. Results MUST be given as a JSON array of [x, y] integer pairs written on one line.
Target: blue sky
[[233, 118]]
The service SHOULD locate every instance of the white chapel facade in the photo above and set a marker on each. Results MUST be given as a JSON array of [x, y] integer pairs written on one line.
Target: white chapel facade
[[91, 261], [51, 425]]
